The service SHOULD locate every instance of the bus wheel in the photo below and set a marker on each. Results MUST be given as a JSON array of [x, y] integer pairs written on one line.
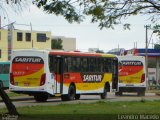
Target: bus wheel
[[141, 93], [77, 96], [71, 92], [104, 94], [64, 97], [41, 97], [118, 93], [70, 95]]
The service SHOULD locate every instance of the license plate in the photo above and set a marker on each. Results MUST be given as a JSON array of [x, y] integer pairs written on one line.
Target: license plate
[[26, 84], [16, 83]]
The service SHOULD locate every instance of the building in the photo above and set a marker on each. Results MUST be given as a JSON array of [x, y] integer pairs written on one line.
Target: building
[[68, 43], [3, 45], [21, 39]]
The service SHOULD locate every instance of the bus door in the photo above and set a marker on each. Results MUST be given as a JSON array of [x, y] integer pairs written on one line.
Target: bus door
[[115, 74], [59, 74]]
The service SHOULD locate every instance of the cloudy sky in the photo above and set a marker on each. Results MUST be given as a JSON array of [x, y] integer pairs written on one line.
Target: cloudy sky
[[87, 35]]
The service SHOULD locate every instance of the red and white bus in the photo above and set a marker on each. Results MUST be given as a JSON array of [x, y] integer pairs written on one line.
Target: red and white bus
[[67, 74], [132, 75]]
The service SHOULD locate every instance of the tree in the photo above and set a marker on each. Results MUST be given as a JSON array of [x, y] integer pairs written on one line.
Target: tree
[[157, 46], [99, 51], [56, 44], [106, 12], [10, 106]]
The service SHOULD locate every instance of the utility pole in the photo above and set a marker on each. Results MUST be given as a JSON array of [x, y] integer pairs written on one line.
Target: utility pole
[[0, 22], [146, 51], [31, 34]]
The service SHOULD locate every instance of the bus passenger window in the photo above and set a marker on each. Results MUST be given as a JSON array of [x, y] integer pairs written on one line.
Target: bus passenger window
[[69, 64], [78, 65], [1, 69], [65, 65], [51, 63], [106, 65], [6, 69], [73, 68], [84, 65]]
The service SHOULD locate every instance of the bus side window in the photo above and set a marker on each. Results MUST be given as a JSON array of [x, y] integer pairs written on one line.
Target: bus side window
[[73, 68], [65, 64], [84, 65], [106, 65], [6, 69], [77, 66], [97, 64], [1, 68], [51, 67], [69, 64], [90, 64], [110, 65]]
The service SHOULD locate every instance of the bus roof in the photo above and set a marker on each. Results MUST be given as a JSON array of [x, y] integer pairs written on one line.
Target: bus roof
[[4, 62], [81, 54], [68, 53]]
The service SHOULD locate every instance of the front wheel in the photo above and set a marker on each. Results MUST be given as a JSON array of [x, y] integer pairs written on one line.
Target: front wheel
[[71, 94]]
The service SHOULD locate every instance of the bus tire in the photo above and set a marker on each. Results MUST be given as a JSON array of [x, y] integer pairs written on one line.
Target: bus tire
[[41, 97], [104, 94], [64, 97], [141, 93], [77, 96], [71, 92], [118, 93]]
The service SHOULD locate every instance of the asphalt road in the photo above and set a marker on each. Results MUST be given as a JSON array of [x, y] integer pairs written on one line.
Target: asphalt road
[[29, 101]]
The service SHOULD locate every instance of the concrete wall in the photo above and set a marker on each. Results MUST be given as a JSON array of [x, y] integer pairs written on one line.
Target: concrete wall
[[28, 44], [9, 42], [4, 45]]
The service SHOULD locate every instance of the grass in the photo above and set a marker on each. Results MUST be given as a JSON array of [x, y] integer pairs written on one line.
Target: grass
[[82, 111], [12, 94]]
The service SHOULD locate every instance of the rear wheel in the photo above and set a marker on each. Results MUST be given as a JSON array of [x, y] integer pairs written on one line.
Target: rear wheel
[[141, 93], [77, 96], [118, 93], [41, 97], [104, 94]]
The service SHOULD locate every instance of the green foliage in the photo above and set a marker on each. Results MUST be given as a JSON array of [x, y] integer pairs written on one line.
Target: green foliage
[[99, 51], [56, 44], [157, 46], [107, 13]]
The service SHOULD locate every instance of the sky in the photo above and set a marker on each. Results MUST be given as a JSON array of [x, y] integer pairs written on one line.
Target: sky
[[87, 34]]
